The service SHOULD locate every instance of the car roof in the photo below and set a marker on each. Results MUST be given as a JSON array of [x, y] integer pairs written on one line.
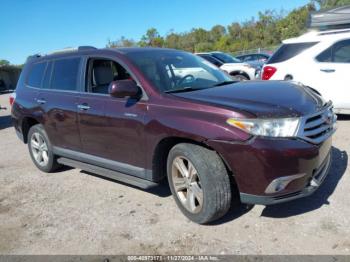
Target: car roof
[[318, 36], [87, 50]]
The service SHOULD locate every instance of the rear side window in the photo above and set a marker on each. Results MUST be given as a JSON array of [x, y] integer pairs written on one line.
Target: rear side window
[[287, 51], [36, 75], [47, 77], [65, 74], [338, 53]]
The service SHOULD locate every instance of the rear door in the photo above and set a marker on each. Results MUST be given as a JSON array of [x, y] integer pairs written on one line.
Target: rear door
[[58, 99], [332, 73]]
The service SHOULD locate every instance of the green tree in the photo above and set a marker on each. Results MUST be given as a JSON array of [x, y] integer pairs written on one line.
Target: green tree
[[121, 42], [217, 32], [151, 38], [268, 29], [4, 62]]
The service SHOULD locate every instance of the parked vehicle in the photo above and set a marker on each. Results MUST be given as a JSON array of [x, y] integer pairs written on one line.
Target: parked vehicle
[[211, 59], [255, 57], [319, 59], [233, 66], [126, 114]]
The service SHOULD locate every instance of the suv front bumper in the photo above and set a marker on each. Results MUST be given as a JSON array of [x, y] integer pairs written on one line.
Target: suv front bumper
[[256, 163], [309, 189]]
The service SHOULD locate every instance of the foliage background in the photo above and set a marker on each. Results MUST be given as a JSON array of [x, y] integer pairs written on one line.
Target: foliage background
[[266, 31]]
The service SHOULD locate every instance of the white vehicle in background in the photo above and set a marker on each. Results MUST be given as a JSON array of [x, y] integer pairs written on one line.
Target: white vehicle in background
[[241, 71], [319, 59]]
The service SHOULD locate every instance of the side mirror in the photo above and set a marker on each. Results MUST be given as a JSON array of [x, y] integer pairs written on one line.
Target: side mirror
[[124, 88]]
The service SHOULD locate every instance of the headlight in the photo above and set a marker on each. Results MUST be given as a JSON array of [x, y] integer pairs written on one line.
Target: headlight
[[282, 127]]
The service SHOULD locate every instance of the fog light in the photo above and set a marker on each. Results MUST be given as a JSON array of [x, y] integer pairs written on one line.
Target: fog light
[[281, 183]]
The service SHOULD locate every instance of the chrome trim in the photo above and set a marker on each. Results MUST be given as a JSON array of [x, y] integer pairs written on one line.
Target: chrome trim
[[320, 175], [318, 130], [83, 107], [281, 183]]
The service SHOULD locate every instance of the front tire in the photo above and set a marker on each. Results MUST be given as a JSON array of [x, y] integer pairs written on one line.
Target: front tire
[[199, 182], [40, 149]]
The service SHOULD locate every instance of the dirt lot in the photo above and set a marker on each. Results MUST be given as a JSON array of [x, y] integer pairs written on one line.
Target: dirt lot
[[72, 212]]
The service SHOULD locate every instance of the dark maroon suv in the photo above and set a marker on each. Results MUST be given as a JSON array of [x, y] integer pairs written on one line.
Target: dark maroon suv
[[139, 115]]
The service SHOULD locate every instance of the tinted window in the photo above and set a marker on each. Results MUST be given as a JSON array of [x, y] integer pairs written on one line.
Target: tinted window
[[341, 52], [287, 51], [212, 60], [338, 53], [65, 74], [46, 81], [225, 58], [325, 56], [36, 74]]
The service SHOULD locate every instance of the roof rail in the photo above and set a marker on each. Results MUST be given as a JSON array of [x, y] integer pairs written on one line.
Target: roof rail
[[333, 32], [73, 49], [65, 50], [31, 57], [86, 47]]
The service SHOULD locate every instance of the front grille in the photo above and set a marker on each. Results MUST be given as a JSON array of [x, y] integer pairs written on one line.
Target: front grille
[[317, 127]]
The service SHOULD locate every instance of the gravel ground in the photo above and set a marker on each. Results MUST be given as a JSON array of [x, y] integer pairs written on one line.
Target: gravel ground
[[73, 212]]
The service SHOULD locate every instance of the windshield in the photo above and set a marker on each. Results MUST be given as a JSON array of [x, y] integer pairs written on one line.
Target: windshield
[[226, 58], [177, 71]]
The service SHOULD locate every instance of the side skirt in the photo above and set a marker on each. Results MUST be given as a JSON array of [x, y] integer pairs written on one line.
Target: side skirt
[[132, 180]]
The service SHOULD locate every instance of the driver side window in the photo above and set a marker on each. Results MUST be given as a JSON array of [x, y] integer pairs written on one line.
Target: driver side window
[[101, 72]]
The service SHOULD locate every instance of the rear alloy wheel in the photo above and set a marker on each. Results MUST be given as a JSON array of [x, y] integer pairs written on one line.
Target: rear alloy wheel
[[199, 182], [40, 149]]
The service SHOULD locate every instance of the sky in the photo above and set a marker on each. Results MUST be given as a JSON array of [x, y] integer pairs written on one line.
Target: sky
[[42, 26]]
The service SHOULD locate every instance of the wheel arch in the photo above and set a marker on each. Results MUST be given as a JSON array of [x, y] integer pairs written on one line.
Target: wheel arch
[[234, 73], [161, 152], [27, 123]]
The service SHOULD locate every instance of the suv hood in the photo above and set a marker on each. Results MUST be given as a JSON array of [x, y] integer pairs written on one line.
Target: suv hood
[[265, 99]]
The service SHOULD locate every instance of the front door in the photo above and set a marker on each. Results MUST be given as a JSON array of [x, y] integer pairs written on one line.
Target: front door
[[111, 129]]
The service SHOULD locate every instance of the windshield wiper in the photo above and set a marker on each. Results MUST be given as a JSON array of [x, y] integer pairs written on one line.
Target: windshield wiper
[[226, 83], [185, 89]]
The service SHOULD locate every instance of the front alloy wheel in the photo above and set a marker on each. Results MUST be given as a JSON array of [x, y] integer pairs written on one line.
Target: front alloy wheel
[[199, 182], [187, 184]]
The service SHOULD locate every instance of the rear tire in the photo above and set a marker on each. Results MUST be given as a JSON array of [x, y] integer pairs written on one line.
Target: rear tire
[[241, 77], [202, 190], [40, 149]]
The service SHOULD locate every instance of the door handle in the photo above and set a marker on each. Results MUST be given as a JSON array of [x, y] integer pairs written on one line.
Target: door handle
[[41, 101], [326, 70], [83, 107]]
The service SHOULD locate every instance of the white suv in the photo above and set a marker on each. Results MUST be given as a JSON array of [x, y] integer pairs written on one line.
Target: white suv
[[241, 71], [318, 59]]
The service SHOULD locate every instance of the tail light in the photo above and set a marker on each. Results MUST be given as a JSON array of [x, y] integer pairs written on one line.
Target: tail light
[[12, 98], [268, 72]]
